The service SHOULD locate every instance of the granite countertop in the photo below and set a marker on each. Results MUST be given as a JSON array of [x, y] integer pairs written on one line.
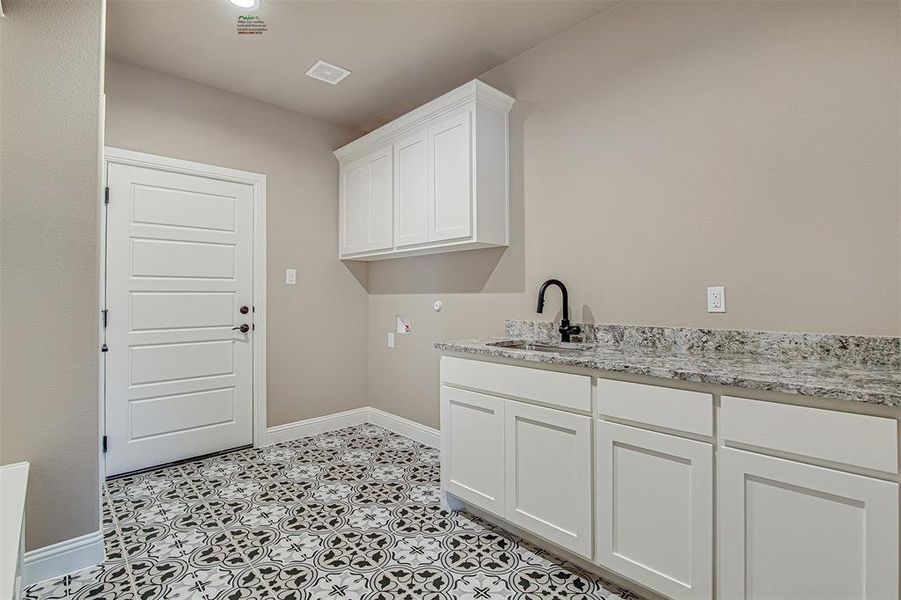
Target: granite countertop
[[824, 377]]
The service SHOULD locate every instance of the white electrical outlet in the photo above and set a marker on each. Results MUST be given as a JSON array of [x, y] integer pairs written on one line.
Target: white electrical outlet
[[391, 339], [290, 276], [716, 299]]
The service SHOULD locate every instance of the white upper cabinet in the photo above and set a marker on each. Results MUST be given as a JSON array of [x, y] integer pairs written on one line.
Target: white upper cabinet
[[434, 180], [366, 191]]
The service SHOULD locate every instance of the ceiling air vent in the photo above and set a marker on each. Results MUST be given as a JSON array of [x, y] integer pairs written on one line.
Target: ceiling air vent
[[327, 72]]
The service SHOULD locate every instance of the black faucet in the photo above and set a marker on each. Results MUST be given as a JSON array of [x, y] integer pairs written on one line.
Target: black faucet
[[566, 330]]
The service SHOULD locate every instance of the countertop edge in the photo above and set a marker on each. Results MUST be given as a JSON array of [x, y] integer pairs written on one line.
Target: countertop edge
[[845, 394]]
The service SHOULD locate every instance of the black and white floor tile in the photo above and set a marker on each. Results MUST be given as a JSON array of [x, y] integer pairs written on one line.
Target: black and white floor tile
[[352, 514]]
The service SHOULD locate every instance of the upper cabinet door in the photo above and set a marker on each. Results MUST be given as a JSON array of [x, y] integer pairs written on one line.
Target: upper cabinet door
[[411, 178], [793, 530], [450, 178], [367, 212], [381, 200], [354, 207]]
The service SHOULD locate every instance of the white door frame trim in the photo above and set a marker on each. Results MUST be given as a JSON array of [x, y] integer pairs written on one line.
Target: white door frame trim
[[258, 183]]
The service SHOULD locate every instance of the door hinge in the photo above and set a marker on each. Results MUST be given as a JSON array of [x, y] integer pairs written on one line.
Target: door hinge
[[106, 195], [105, 312], [104, 348], [104, 444]]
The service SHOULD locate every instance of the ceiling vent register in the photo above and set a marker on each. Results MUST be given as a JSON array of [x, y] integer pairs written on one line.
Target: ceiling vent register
[[327, 72]]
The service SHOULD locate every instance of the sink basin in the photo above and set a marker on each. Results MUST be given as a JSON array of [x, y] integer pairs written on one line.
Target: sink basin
[[538, 347]]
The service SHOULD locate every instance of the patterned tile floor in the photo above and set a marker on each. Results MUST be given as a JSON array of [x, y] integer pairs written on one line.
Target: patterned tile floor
[[351, 514]]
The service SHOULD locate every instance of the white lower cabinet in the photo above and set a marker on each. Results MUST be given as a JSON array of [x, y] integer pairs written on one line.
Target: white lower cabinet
[[548, 458], [799, 531], [640, 499], [472, 439], [655, 509]]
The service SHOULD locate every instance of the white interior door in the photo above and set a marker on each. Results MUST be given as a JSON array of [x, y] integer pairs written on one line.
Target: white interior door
[[179, 271]]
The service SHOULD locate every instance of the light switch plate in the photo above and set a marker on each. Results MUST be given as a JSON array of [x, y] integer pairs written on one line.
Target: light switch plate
[[391, 339], [290, 276], [716, 299]]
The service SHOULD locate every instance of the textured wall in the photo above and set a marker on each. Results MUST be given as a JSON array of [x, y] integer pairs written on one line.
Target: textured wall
[[317, 330], [50, 115], [666, 146]]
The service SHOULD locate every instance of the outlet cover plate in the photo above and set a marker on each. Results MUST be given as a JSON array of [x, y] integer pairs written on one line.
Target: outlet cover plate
[[716, 299]]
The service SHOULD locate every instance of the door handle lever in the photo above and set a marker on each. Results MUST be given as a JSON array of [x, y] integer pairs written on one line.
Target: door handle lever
[[243, 328]]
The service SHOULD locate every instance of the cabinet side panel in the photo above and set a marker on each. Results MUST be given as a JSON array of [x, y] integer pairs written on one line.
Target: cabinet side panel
[[492, 174]]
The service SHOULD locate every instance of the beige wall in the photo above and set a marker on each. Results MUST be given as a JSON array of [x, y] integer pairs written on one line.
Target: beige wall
[[317, 329], [658, 149], [50, 114], [667, 146]]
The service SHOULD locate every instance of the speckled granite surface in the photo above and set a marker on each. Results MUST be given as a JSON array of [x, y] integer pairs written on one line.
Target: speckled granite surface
[[849, 368], [853, 349]]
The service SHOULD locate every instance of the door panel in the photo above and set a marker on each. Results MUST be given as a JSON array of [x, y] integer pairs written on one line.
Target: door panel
[[412, 180], [179, 266], [667, 546], [181, 310], [182, 208], [792, 530], [450, 178], [473, 440], [169, 258], [182, 412], [171, 362], [548, 473]]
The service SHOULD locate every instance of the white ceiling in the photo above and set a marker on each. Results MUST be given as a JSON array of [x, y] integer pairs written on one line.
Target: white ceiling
[[401, 53]]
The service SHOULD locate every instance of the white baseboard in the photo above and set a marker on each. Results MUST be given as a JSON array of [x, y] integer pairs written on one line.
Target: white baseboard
[[62, 558], [315, 426], [428, 436], [399, 425]]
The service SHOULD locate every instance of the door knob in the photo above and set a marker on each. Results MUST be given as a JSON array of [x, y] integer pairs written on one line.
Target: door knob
[[244, 309], [243, 328]]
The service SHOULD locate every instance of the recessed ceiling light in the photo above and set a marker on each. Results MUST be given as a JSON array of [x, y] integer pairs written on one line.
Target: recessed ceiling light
[[327, 72], [246, 4]]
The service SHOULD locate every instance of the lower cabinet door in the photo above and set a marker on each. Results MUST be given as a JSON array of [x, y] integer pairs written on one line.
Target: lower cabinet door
[[655, 509], [548, 456], [792, 530], [472, 448]]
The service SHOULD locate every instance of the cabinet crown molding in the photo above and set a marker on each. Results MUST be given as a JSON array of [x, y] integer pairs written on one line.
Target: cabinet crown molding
[[475, 91]]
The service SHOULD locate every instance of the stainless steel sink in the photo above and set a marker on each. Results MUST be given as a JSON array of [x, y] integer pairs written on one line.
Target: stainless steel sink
[[538, 347]]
